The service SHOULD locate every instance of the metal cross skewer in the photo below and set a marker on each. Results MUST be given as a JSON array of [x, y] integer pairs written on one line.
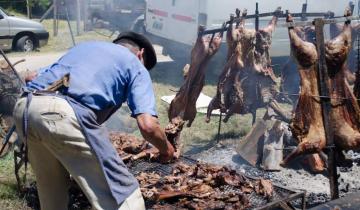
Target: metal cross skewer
[[280, 14]]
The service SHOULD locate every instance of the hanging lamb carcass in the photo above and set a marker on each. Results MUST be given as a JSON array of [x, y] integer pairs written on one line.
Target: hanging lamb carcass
[[183, 106], [307, 125], [247, 81]]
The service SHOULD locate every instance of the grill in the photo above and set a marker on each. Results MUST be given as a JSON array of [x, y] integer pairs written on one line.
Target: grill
[[282, 198]]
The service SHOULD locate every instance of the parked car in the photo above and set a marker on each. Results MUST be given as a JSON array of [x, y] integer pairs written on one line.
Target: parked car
[[20, 33]]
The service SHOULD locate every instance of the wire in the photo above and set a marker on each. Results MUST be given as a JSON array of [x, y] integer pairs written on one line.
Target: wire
[[318, 96]]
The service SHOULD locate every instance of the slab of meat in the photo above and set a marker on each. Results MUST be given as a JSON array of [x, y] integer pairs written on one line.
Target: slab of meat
[[335, 30], [345, 113], [247, 81], [183, 107], [130, 147], [239, 40], [290, 79], [307, 125], [202, 186]]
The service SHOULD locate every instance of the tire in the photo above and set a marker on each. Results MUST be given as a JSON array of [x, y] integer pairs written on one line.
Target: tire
[[25, 44]]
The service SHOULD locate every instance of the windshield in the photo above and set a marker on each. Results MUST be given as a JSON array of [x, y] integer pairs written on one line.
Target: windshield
[[4, 11]]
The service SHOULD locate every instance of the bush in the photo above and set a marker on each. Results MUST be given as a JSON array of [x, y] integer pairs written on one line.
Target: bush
[[38, 6]]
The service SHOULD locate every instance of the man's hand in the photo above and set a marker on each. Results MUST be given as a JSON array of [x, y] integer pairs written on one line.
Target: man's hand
[[153, 133]]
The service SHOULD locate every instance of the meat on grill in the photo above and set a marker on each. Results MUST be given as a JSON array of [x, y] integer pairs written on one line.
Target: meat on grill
[[201, 186], [307, 125], [247, 81], [130, 147], [183, 107]]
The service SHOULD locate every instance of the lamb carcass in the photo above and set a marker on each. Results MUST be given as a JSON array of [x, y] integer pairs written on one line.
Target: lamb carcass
[[345, 112], [335, 30], [307, 125], [183, 107], [238, 41], [290, 79], [247, 81]]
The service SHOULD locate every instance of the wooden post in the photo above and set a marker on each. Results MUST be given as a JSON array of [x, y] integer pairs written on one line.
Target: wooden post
[[326, 107], [55, 17], [86, 14], [78, 17]]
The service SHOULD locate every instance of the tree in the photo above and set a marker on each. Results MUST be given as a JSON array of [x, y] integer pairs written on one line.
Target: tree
[[40, 3]]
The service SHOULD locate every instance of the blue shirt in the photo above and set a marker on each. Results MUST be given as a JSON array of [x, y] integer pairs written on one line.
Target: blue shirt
[[102, 76]]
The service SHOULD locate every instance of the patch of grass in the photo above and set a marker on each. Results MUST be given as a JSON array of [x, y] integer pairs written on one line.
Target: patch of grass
[[9, 198]]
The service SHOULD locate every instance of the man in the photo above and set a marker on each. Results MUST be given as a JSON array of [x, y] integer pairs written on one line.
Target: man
[[63, 129]]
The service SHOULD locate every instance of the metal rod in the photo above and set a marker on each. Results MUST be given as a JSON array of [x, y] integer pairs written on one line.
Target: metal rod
[[219, 128], [257, 17], [46, 13], [11, 66], [7, 138], [280, 15], [68, 22], [325, 21], [326, 106], [303, 12]]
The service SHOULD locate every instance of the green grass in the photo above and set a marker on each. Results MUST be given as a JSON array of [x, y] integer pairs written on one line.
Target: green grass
[[10, 198]]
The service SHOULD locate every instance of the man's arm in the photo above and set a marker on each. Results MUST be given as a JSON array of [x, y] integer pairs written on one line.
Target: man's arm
[[152, 132]]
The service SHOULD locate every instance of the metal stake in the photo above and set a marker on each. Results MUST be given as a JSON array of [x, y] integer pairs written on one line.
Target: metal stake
[[68, 22], [326, 107], [219, 128], [257, 17]]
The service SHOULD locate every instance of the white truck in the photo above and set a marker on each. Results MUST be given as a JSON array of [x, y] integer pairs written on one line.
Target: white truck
[[174, 23]]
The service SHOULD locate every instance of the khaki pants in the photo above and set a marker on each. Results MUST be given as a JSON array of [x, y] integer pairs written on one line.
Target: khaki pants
[[57, 148]]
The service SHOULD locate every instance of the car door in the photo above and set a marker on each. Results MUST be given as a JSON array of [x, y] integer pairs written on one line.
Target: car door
[[5, 39]]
